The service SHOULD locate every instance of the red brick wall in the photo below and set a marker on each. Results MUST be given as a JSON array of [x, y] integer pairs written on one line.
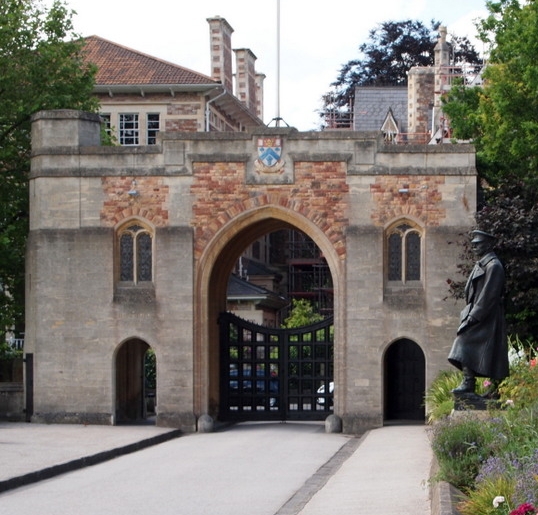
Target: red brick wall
[[149, 204], [319, 194], [423, 201]]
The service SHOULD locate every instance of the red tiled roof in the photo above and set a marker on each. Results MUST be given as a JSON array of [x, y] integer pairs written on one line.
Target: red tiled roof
[[119, 65]]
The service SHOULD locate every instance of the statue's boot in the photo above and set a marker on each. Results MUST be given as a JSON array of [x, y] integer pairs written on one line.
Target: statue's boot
[[468, 384]]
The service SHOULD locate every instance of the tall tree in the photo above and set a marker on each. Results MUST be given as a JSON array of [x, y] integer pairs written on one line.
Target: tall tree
[[392, 49], [501, 119], [41, 67]]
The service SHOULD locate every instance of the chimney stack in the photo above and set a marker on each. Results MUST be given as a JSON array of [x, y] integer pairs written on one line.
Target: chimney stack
[[260, 77], [245, 78], [221, 51]]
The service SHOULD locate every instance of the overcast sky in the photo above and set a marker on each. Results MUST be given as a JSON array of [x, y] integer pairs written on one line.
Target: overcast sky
[[316, 38]]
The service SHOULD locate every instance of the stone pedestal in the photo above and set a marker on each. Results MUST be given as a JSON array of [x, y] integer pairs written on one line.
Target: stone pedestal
[[472, 401]]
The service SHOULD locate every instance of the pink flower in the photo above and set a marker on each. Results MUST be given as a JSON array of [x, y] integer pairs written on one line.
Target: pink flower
[[524, 509], [533, 362], [487, 383]]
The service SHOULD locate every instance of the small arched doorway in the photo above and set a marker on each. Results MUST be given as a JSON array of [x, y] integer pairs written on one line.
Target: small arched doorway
[[404, 368], [133, 363]]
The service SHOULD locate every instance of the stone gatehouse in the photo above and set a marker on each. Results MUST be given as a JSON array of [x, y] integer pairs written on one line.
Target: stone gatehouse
[[184, 210]]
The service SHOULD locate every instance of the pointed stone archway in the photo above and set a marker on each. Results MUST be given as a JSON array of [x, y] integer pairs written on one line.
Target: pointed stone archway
[[212, 271]]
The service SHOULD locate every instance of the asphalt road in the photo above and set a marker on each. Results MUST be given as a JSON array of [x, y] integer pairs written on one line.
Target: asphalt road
[[251, 469]]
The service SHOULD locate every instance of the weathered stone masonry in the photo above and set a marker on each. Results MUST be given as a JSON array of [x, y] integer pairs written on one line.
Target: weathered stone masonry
[[205, 200]]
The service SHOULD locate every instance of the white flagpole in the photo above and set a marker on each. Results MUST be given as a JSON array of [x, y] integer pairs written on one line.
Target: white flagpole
[[277, 119]]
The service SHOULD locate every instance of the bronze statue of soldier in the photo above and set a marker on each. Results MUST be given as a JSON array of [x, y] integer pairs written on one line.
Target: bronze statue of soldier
[[481, 348]]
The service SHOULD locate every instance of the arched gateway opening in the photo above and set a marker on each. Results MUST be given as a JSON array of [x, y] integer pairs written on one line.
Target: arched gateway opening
[[213, 271], [135, 378], [404, 382]]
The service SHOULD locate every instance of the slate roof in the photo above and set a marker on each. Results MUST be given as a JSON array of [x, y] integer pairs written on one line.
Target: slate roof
[[241, 289], [372, 103], [238, 287], [119, 65], [252, 268]]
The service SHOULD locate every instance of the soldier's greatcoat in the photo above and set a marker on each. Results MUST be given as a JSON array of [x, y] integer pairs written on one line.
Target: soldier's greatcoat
[[481, 342]]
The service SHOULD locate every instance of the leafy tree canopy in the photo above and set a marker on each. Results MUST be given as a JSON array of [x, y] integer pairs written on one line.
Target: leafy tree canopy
[[302, 313], [511, 213], [392, 49], [501, 119], [41, 67]]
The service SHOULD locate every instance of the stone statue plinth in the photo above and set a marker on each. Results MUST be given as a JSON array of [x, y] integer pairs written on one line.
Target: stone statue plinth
[[464, 401]]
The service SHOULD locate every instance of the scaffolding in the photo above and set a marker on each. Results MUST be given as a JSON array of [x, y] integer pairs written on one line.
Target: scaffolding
[[309, 276]]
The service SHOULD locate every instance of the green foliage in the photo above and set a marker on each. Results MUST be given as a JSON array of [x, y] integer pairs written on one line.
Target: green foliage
[[480, 501], [511, 213], [7, 352], [501, 119], [499, 456], [42, 68], [460, 104], [302, 313], [502, 116], [509, 107], [523, 380], [461, 445], [150, 369], [439, 398]]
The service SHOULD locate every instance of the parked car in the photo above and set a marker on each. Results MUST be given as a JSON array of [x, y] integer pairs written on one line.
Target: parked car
[[321, 390]]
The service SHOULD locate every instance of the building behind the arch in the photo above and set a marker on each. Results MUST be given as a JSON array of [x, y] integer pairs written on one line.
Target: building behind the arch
[[135, 244]]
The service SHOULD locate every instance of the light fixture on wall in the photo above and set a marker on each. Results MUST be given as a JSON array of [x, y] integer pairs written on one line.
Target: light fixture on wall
[[404, 190], [133, 192]]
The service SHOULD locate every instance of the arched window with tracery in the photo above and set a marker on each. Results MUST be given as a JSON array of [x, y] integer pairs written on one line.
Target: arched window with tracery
[[404, 252], [135, 253]]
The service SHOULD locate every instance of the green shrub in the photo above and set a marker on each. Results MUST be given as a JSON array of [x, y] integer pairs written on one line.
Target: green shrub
[[480, 501], [521, 385], [439, 398], [461, 445], [496, 457], [7, 352]]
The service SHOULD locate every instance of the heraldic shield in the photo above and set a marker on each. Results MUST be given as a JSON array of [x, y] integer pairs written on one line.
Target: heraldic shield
[[269, 151]]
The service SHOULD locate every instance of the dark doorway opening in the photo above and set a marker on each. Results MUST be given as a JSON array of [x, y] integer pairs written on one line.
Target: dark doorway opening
[[404, 382], [135, 399]]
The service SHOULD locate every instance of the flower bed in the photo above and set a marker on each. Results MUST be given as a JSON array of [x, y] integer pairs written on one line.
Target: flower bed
[[494, 462]]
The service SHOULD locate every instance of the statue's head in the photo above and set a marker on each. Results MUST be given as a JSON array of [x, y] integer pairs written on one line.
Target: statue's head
[[482, 242]]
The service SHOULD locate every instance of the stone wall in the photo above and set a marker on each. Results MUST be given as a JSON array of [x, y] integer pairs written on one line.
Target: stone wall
[[206, 197]]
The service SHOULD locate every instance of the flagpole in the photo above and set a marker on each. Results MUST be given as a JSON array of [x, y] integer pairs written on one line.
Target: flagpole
[[277, 119]]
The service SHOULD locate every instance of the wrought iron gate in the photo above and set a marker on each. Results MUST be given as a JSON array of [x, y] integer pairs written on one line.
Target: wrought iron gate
[[275, 374]]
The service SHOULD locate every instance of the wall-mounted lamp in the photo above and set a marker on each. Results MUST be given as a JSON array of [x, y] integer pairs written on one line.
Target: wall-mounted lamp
[[133, 192], [404, 189]]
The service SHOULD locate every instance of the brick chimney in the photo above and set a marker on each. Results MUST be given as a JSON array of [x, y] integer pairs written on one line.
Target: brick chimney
[[220, 33], [245, 78], [260, 77]]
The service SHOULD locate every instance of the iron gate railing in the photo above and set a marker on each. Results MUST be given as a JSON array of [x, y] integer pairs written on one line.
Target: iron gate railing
[[275, 374]]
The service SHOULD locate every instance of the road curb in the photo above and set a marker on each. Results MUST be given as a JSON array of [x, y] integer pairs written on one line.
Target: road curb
[[85, 461]]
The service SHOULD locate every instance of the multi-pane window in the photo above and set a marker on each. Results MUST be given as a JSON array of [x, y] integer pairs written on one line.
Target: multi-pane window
[[129, 129], [152, 128], [135, 254], [404, 253]]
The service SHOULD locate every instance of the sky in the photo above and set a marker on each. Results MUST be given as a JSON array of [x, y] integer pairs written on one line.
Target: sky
[[316, 38]]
